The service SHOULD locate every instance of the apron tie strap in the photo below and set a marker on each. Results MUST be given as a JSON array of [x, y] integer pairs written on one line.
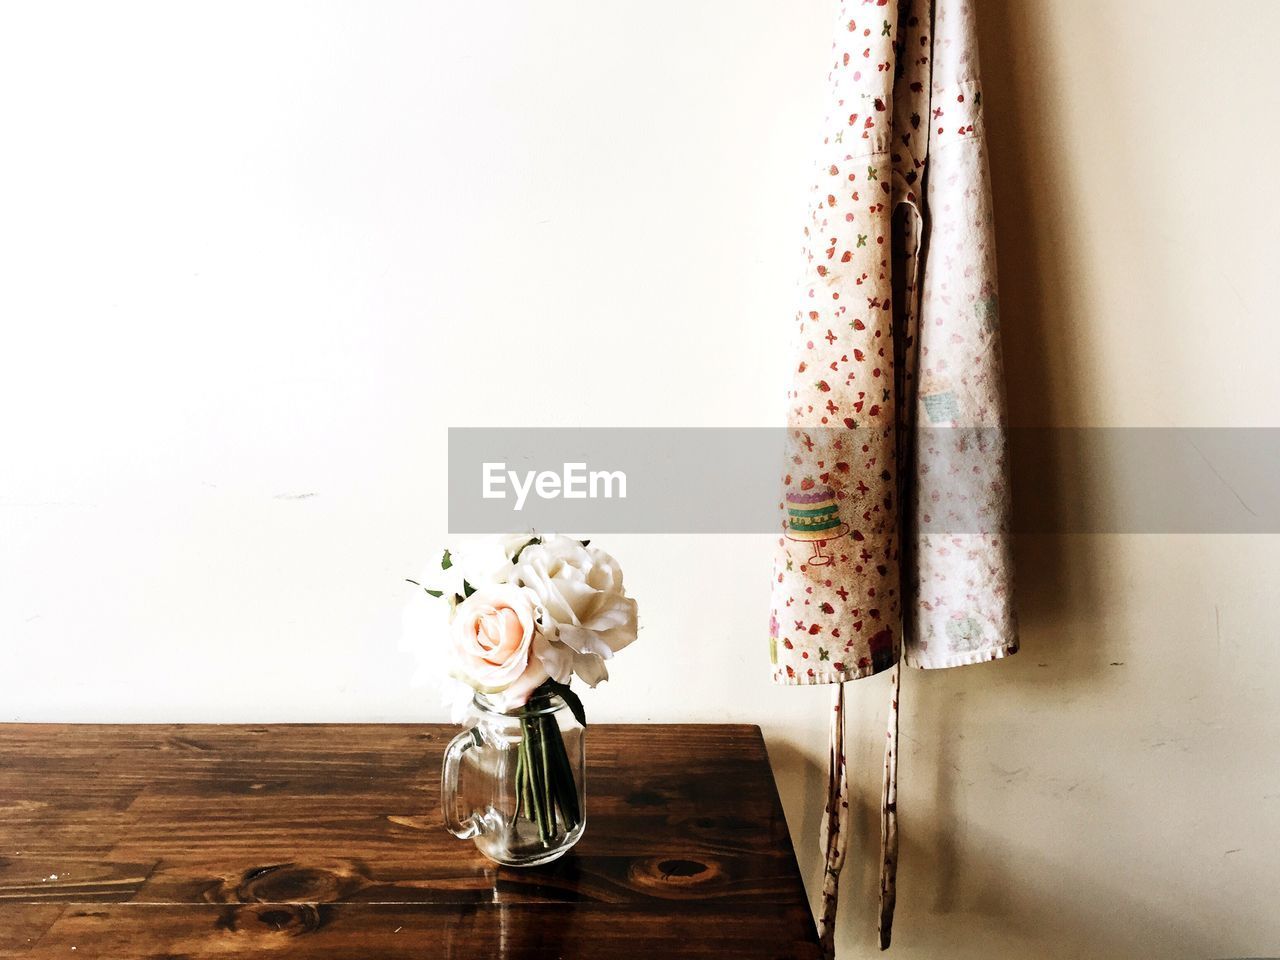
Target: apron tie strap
[[835, 827], [889, 816]]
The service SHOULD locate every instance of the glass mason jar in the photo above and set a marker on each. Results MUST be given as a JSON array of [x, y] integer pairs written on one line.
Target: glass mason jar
[[514, 781]]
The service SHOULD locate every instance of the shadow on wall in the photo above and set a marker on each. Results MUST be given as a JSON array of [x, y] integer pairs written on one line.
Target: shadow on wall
[[1017, 905], [983, 901], [1041, 320]]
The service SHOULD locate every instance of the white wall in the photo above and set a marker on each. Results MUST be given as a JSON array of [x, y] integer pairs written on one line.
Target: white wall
[[255, 258]]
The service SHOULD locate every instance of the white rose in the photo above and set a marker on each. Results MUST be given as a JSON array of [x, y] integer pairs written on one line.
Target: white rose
[[479, 561], [581, 593], [486, 560]]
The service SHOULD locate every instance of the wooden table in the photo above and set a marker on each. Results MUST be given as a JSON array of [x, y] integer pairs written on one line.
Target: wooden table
[[325, 841]]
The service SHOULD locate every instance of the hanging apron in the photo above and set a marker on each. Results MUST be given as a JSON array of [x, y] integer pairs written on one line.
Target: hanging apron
[[895, 504]]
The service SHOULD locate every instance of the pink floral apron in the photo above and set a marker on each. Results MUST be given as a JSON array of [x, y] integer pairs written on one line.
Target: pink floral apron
[[895, 504]]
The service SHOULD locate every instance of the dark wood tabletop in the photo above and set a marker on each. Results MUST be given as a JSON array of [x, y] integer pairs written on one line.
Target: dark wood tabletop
[[325, 841]]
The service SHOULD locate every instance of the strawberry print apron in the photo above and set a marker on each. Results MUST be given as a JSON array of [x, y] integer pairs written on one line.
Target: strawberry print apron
[[895, 503]]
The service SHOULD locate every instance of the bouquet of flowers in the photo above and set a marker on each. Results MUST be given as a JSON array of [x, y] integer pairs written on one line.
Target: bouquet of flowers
[[527, 614]]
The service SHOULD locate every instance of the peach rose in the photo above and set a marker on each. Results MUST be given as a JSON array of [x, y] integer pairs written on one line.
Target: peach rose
[[492, 637]]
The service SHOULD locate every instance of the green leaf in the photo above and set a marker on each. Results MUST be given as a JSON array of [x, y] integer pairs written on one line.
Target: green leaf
[[434, 593], [467, 589], [446, 561], [532, 542], [568, 696]]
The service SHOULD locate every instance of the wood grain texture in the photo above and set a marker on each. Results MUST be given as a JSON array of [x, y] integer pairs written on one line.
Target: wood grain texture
[[320, 840]]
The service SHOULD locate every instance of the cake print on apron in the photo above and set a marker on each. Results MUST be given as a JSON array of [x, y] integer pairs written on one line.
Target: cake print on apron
[[813, 516]]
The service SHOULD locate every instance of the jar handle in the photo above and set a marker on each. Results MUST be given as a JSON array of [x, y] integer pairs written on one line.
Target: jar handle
[[464, 828]]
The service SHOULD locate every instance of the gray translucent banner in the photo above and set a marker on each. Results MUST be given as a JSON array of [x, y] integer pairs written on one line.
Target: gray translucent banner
[[728, 480]]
